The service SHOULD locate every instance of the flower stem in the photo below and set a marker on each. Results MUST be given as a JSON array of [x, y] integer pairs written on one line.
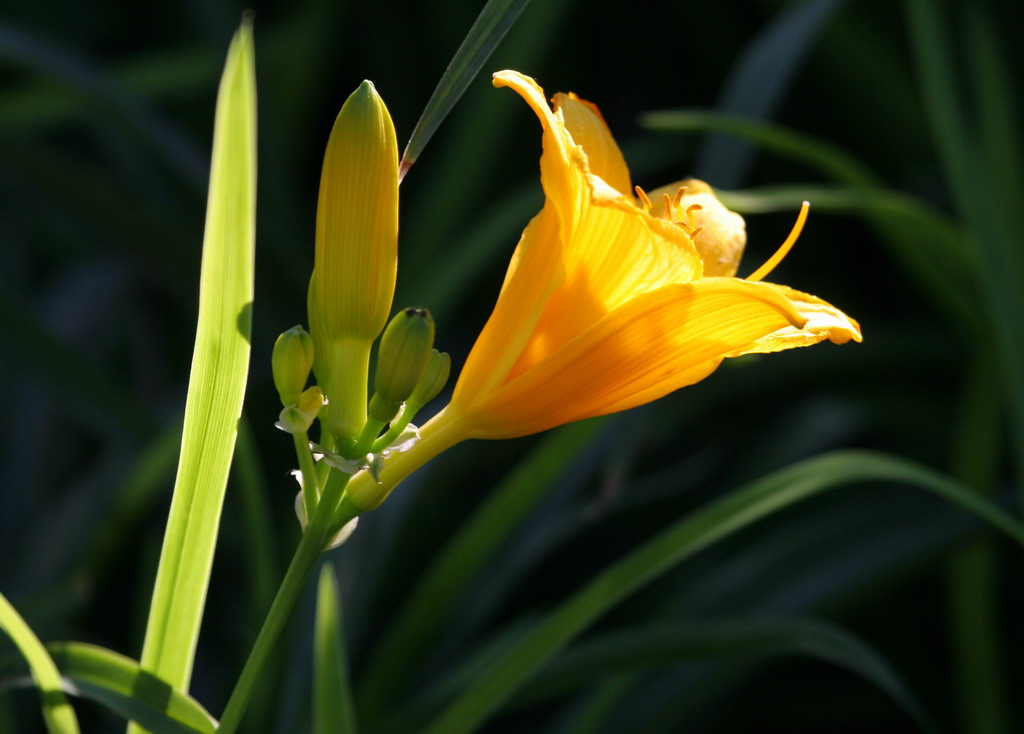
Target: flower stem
[[310, 480], [331, 510], [397, 426], [366, 438]]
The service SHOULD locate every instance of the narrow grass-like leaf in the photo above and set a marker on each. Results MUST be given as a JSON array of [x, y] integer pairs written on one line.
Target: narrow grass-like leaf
[[422, 616], [929, 245], [664, 644], [979, 200], [413, 713], [333, 708], [119, 683], [486, 33], [976, 643], [682, 641], [759, 80], [999, 120], [217, 381], [490, 690], [592, 713], [444, 203], [60, 717], [815, 153]]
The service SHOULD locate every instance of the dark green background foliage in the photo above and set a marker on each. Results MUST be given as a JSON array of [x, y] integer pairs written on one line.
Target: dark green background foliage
[[105, 126]]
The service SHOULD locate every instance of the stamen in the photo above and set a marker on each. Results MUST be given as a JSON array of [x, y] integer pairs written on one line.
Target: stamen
[[679, 195], [644, 201], [668, 206], [775, 259], [689, 213]]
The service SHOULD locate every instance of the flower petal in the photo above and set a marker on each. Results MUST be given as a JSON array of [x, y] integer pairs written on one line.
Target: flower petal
[[535, 271], [654, 344], [616, 253], [824, 321], [589, 129], [563, 163]]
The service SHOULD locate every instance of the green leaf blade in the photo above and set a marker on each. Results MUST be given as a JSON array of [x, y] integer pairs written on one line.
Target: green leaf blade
[[759, 81], [59, 716], [992, 226], [333, 708], [489, 690], [120, 684], [489, 28], [680, 641], [218, 377]]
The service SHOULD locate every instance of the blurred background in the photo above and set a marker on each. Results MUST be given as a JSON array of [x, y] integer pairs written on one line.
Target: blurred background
[[875, 608]]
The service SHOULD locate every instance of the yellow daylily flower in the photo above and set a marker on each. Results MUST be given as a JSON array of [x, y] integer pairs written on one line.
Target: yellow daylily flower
[[611, 301]]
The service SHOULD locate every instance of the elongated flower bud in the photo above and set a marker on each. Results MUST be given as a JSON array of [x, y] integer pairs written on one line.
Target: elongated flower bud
[[356, 254], [291, 362], [405, 350], [357, 220]]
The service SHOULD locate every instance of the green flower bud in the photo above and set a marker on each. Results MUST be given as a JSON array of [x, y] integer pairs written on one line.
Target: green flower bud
[[291, 361], [432, 381], [299, 416], [403, 355]]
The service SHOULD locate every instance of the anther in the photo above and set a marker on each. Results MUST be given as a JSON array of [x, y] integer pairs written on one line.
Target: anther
[[689, 214], [644, 201]]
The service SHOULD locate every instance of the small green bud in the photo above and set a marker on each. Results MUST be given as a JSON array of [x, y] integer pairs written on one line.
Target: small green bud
[[299, 416], [403, 355], [291, 361], [432, 381]]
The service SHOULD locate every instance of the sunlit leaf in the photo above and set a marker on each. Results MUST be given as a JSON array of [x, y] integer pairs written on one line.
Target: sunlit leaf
[[60, 717], [217, 381]]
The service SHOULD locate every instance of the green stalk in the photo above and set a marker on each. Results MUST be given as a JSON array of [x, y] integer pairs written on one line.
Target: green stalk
[[327, 513], [367, 438], [397, 426], [310, 479]]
